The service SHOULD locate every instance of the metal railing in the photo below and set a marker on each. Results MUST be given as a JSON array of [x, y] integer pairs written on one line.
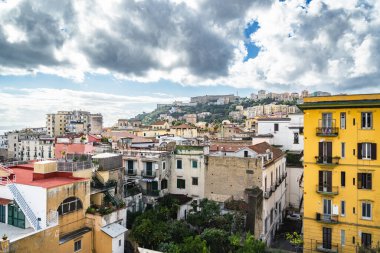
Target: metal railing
[[132, 172], [327, 189], [327, 160], [150, 174], [327, 218], [74, 166], [326, 247], [154, 193], [327, 129]]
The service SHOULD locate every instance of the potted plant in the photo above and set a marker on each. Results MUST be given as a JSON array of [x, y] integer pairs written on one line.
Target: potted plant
[[5, 237]]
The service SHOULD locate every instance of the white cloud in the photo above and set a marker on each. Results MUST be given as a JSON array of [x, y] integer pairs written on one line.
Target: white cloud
[[28, 107], [326, 45]]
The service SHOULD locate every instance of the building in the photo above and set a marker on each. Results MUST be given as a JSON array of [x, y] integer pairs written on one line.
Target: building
[[255, 174], [35, 148], [287, 133], [190, 118], [64, 122], [160, 125], [341, 195], [184, 130], [223, 99], [187, 176]]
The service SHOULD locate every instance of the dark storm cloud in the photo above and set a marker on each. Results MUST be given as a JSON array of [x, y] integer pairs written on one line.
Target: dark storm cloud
[[165, 26]]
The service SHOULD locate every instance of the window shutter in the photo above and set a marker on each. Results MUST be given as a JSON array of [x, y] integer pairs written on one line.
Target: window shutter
[[359, 180], [329, 181], [360, 151], [320, 150], [369, 181], [320, 185], [373, 151]]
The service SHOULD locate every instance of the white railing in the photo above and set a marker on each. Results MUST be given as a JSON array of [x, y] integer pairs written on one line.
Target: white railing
[[29, 214], [74, 166]]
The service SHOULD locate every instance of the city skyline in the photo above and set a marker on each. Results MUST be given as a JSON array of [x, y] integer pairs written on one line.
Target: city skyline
[[239, 47]]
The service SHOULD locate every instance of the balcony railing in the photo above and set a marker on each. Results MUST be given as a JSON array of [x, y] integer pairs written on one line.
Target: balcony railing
[[328, 130], [326, 247], [327, 218], [327, 160], [267, 193], [327, 189], [149, 174], [132, 172], [154, 193]]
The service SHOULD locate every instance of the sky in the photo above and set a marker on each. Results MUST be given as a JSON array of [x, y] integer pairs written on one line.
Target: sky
[[122, 57]]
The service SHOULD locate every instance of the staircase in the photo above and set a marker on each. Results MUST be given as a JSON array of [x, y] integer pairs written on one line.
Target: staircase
[[29, 214], [112, 199]]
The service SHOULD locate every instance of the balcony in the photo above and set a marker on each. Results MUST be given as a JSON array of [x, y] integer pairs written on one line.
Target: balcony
[[326, 247], [327, 130], [327, 190], [148, 174], [327, 160], [131, 172], [267, 193], [327, 218], [153, 193], [273, 188]]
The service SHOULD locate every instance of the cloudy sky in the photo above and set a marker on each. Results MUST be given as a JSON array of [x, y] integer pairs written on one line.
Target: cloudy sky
[[122, 57]]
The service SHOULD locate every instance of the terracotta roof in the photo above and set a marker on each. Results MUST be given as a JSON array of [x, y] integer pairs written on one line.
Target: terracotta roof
[[262, 147], [117, 135], [183, 126], [158, 123]]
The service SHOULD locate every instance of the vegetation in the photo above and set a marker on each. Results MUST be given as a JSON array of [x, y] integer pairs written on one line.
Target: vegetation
[[206, 230]]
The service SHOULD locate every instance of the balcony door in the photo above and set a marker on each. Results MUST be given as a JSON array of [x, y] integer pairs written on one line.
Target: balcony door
[[327, 121], [325, 152], [149, 168], [325, 181], [326, 238], [327, 206]]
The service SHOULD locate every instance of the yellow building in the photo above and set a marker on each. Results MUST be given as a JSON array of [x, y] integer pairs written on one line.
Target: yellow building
[[341, 195]]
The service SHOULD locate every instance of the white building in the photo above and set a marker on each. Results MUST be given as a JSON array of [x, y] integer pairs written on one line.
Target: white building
[[187, 176], [287, 132], [35, 147]]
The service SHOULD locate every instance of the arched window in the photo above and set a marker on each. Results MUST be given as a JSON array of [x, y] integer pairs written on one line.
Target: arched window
[[70, 204]]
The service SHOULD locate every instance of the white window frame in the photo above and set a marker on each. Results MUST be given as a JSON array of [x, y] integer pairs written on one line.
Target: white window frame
[[343, 237], [367, 115], [366, 151], [80, 246], [343, 150], [343, 208], [343, 117], [367, 204]]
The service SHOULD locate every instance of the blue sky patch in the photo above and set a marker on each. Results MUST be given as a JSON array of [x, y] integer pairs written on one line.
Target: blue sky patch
[[252, 48]]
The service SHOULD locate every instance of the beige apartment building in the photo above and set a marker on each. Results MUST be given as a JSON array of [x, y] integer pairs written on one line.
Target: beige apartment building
[[64, 122]]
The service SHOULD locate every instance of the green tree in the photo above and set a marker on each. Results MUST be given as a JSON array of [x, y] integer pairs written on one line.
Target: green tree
[[194, 245], [249, 244], [217, 240]]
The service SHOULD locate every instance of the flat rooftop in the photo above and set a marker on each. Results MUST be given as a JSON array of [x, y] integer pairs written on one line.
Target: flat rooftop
[[24, 175], [14, 233]]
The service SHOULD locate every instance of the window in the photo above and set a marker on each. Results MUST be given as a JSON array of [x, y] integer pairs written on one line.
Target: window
[[181, 184], [327, 120], [325, 152], [70, 204], [194, 164], [366, 240], [342, 120], [343, 208], [342, 237], [2, 213], [194, 181], [367, 151], [366, 120], [271, 216], [325, 181], [343, 178], [366, 210], [77, 246], [365, 181], [245, 153], [343, 150], [120, 243], [295, 138], [276, 127], [179, 164], [130, 167], [163, 165], [164, 184]]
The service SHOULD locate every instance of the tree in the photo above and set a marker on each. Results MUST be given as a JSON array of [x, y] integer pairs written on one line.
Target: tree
[[295, 239], [217, 240], [249, 245], [150, 234], [194, 245]]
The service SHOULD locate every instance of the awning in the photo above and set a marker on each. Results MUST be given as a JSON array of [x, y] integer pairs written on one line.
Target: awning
[[114, 229], [149, 179]]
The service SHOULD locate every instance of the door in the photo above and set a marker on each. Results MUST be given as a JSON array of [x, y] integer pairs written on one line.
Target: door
[[327, 120], [327, 205], [325, 152], [149, 169], [16, 216], [326, 238], [325, 181]]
